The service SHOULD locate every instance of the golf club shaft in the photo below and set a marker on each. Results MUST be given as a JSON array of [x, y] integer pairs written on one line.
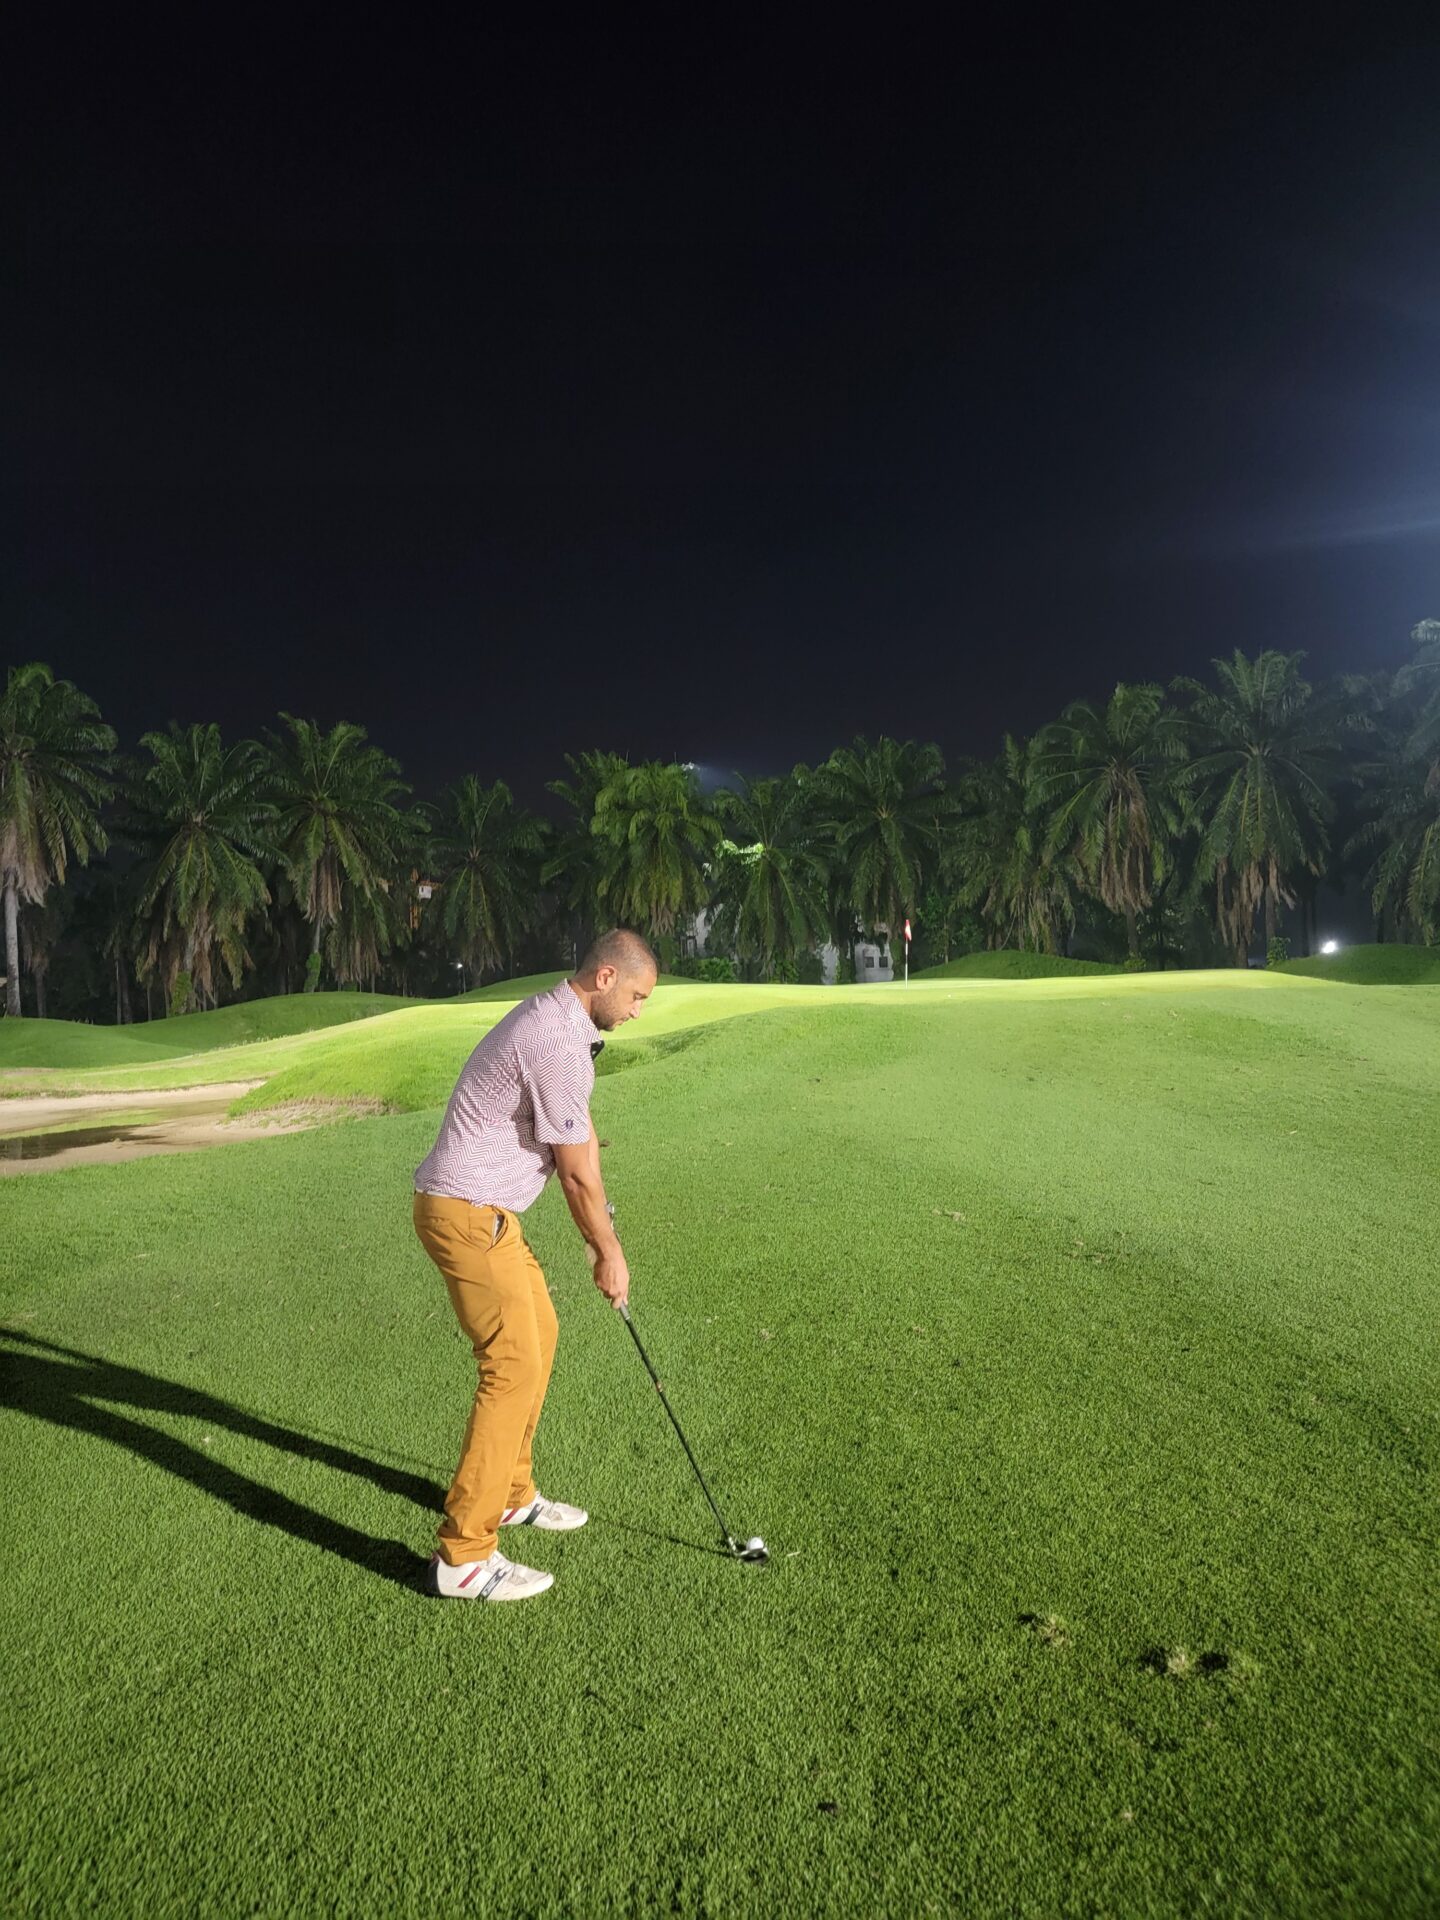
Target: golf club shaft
[[625, 1315]]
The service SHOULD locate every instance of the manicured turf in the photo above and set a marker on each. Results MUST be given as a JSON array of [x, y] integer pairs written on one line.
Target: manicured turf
[[1073, 1344], [1006, 964], [1373, 966]]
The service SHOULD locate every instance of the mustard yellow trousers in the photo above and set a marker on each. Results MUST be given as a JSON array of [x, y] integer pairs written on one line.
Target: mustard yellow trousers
[[500, 1298]]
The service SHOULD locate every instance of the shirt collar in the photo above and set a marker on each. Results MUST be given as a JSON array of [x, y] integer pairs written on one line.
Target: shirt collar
[[576, 1013]]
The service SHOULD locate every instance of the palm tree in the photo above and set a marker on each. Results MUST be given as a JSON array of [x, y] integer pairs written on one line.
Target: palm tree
[[341, 838], [885, 808], [484, 852], [1264, 754], [1107, 775], [43, 924], [578, 859], [56, 757], [201, 813], [1420, 680], [999, 857], [1402, 839], [654, 833], [769, 878], [116, 898], [1398, 804]]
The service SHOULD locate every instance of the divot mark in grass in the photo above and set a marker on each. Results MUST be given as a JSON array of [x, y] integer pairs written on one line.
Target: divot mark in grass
[[1178, 1663], [1047, 1627]]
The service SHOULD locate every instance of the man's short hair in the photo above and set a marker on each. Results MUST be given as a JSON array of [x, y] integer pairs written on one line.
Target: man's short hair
[[621, 949]]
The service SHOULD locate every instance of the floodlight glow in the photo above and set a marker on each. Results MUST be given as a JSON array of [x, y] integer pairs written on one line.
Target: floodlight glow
[[1330, 946]]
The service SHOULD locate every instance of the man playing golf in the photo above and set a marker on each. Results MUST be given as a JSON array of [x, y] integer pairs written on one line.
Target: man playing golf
[[520, 1112]]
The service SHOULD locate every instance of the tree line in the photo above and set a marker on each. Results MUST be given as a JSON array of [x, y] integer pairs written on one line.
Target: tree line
[[1162, 827]]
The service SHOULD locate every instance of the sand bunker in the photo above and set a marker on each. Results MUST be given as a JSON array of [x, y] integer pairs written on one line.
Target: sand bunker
[[44, 1133]]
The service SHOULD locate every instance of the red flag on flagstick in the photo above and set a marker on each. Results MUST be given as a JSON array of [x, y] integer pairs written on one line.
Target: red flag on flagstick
[[907, 929]]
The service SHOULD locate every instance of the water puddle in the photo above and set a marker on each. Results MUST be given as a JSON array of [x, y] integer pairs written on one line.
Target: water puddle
[[119, 1127], [45, 1146]]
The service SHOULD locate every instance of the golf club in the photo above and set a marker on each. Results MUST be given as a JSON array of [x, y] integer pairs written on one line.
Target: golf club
[[752, 1550]]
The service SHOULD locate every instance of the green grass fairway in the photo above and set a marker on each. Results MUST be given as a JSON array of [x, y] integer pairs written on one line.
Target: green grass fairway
[[1072, 1342], [1374, 966]]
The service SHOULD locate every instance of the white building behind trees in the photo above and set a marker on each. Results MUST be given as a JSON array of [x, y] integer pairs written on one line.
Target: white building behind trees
[[872, 957]]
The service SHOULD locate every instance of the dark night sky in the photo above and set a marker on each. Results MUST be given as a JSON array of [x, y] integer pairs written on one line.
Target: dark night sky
[[682, 391]]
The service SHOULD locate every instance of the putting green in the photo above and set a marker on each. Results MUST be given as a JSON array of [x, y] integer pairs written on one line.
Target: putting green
[[1072, 1343], [1007, 964]]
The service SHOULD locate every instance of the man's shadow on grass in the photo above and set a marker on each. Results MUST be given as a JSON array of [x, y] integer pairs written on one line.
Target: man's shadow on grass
[[62, 1385]]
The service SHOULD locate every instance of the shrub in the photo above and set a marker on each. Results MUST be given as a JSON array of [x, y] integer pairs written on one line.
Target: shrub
[[1136, 963], [1277, 952]]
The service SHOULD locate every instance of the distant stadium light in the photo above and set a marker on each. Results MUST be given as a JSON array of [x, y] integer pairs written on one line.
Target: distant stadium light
[[1330, 946]]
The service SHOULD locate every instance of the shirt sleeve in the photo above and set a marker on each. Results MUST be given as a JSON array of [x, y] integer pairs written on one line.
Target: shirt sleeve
[[559, 1089]]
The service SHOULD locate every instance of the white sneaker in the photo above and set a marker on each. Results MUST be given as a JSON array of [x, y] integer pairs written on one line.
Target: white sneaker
[[494, 1579], [551, 1516]]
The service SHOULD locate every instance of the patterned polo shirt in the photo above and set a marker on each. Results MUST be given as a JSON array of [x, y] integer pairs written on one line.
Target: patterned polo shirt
[[524, 1091]]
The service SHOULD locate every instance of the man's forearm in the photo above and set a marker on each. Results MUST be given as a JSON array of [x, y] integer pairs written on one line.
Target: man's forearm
[[585, 1196]]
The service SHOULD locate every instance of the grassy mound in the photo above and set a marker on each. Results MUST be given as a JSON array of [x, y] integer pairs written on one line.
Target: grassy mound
[[1010, 965], [67, 1045], [1373, 966], [273, 1019], [520, 988], [410, 1060], [73, 1044], [523, 985], [1075, 1351]]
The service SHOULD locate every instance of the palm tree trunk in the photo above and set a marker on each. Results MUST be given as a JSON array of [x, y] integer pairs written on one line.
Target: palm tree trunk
[[312, 972], [39, 973], [12, 950], [1132, 932]]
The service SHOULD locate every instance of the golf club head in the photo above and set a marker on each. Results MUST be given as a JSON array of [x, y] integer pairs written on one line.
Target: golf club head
[[753, 1551]]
